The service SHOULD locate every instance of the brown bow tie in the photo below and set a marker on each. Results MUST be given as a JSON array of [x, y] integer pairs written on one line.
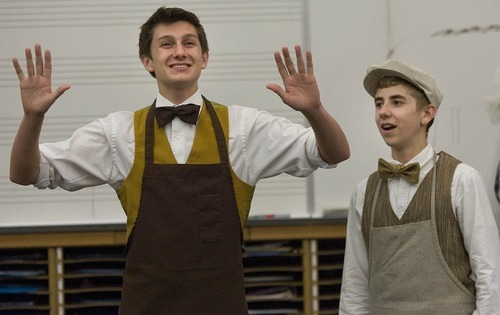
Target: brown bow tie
[[408, 172], [188, 113]]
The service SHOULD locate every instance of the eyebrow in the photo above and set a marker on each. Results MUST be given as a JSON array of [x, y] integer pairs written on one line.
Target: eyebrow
[[392, 97], [184, 37]]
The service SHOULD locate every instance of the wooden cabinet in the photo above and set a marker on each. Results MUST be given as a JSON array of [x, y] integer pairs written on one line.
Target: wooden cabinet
[[328, 274], [91, 279], [274, 276], [24, 281], [291, 267]]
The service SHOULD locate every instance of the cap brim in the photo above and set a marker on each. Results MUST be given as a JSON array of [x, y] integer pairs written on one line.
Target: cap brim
[[374, 76]]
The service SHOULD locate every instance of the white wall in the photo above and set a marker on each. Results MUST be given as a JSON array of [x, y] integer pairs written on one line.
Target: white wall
[[94, 48], [348, 36]]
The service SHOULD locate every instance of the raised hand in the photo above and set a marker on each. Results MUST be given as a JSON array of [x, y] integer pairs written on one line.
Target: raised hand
[[300, 90], [301, 93], [36, 89]]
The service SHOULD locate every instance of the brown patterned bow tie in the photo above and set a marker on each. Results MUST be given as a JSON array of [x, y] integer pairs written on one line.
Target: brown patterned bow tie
[[188, 113], [408, 172]]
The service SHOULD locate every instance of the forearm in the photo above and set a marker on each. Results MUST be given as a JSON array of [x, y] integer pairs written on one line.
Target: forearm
[[331, 140], [25, 154]]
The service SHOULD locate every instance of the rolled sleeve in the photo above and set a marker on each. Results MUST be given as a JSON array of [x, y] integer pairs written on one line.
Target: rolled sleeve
[[92, 156], [263, 146]]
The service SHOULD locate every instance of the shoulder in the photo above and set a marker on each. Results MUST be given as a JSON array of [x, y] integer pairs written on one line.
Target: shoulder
[[465, 173], [358, 198], [243, 119], [262, 120], [239, 111], [468, 184], [118, 119], [358, 195]]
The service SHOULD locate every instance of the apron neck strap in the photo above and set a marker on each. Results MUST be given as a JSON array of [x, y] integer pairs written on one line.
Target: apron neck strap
[[219, 134]]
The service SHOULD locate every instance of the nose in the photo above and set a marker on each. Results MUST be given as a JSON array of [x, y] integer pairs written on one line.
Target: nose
[[383, 110], [179, 51]]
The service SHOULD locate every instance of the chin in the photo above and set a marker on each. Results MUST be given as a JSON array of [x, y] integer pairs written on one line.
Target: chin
[[390, 143]]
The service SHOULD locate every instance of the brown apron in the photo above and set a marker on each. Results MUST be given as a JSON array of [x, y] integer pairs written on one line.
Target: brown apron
[[407, 271], [184, 252]]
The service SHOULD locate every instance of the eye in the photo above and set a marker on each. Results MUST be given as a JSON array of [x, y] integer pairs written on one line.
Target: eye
[[189, 44]]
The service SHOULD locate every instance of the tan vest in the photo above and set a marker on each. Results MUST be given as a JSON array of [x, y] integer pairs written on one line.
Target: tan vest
[[417, 264], [203, 152], [450, 236]]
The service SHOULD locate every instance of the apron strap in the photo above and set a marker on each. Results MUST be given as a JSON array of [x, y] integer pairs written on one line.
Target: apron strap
[[219, 134], [150, 136]]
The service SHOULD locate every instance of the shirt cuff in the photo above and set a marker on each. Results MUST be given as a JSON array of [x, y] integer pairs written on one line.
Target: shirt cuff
[[43, 179]]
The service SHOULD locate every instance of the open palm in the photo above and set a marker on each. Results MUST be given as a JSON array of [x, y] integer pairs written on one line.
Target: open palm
[[300, 90], [36, 89]]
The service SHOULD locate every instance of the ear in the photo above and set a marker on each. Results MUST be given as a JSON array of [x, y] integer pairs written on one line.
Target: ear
[[205, 60], [428, 114], [147, 62]]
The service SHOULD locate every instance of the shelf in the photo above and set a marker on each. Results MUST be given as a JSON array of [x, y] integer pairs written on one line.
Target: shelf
[[290, 266], [24, 281]]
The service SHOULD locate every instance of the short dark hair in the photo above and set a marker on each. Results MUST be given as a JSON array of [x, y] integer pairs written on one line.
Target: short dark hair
[[166, 15], [419, 95]]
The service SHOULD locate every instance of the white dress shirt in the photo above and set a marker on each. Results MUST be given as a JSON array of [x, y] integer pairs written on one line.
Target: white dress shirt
[[260, 146], [475, 218]]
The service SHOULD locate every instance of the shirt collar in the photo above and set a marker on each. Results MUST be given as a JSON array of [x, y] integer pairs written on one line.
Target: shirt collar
[[196, 98], [423, 158]]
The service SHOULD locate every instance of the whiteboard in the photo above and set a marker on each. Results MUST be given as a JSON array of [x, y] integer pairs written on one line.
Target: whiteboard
[[94, 46]]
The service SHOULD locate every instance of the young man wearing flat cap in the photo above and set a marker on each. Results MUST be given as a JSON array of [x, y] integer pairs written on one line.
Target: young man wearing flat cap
[[421, 235]]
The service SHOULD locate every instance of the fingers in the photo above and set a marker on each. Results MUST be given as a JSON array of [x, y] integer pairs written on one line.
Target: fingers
[[39, 67], [276, 89], [308, 67], [309, 60], [39, 60], [48, 64], [300, 60], [18, 69], [60, 91], [30, 68], [286, 66], [288, 61]]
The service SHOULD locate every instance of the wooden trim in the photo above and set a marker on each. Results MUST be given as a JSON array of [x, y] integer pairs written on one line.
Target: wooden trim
[[261, 233], [103, 238], [53, 279], [62, 239], [307, 277]]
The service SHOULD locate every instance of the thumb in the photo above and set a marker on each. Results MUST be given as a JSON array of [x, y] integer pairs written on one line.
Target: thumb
[[60, 91], [276, 89]]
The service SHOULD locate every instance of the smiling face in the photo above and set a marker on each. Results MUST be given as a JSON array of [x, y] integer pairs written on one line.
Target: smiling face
[[400, 121], [176, 59]]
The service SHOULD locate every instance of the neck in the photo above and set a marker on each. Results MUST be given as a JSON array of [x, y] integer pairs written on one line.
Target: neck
[[177, 95], [406, 154]]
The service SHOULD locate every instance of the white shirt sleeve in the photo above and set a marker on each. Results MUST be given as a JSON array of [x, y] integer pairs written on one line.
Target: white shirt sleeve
[[262, 145], [354, 295], [98, 153], [480, 234]]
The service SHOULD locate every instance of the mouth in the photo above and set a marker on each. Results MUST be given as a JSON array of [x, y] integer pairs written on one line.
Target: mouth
[[387, 127], [180, 66]]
